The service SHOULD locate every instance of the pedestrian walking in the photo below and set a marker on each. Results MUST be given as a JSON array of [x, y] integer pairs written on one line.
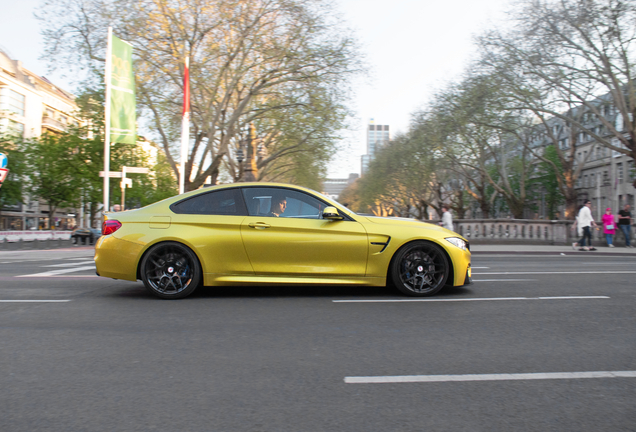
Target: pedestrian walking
[[585, 222], [609, 227], [625, 224], [447, 218]]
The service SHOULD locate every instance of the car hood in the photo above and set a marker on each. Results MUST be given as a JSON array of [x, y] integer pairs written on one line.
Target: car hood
[[397, 221]]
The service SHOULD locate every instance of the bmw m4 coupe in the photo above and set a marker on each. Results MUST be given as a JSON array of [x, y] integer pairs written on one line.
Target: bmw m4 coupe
[[268, 233]]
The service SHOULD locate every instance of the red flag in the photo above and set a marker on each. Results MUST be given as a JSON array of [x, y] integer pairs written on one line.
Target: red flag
[[186, 88], [185, 125]]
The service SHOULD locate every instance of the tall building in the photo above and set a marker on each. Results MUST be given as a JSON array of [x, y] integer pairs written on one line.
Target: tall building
[[377, 136]]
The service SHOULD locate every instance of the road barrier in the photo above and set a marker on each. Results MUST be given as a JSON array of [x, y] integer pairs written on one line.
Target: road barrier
[[526, 231]]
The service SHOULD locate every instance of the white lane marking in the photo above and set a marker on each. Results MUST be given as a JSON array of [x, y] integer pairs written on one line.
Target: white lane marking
[[58, 272], [479, 267], [34, 301], [487, 377], [472, 299], [502, 280], [70, 264], [557, 272]]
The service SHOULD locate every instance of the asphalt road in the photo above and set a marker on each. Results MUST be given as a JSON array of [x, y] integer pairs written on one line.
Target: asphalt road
[[514, 351]]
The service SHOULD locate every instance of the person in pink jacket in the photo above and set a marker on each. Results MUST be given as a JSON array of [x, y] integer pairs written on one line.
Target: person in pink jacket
[[609, 226]]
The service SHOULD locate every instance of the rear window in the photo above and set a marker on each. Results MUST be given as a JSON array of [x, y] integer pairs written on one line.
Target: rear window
[[223, 202]]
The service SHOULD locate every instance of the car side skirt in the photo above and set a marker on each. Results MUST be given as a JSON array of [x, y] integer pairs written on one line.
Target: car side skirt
[[229, 280]]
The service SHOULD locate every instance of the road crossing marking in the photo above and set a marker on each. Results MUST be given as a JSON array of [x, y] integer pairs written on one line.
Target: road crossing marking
[[487, 377], [471, 299], [59, 272], [71, 264], [34, 301], [503, 280]]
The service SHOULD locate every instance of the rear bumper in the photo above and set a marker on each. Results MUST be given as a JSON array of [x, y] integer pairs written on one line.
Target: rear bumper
[[117, 259]]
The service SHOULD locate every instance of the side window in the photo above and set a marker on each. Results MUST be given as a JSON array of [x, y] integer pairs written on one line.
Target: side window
[[280, 202], [223, 202]]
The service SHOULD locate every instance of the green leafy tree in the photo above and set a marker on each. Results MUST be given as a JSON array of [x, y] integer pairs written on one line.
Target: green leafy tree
[[547, 180], [50, 173]]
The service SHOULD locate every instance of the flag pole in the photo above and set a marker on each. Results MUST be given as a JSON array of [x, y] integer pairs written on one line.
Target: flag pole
[[107, 77], [185, 124]]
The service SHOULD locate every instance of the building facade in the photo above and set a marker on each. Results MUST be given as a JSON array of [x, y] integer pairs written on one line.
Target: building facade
[[334, 187], [29, 106], [606, 177]]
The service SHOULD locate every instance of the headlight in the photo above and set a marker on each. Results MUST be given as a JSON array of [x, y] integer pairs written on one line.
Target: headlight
[[458, 242]]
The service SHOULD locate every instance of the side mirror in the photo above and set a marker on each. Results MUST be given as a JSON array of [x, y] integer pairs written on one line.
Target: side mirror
[[331, 213]]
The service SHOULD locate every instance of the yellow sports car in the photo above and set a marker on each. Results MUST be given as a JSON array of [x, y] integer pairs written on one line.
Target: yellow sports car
[[268, 233]]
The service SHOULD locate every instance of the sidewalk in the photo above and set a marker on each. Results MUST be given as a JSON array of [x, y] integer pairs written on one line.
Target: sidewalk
[[507, 249], [47, 254]]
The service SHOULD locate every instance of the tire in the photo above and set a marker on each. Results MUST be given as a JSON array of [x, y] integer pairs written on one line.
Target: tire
[[170, 270], [419, 269]]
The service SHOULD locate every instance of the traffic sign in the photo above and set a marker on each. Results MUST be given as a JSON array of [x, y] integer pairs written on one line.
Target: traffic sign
[[3, 160], [3, 174]]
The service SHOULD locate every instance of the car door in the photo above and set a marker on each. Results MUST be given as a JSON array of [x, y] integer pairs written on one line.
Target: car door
[[211, 223], [299, 242]]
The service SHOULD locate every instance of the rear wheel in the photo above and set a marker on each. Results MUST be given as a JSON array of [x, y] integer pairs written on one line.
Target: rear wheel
[[420, 269], [170, 270]]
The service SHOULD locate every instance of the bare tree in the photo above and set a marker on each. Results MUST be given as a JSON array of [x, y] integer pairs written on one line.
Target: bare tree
[[579, 56], [280, 64]]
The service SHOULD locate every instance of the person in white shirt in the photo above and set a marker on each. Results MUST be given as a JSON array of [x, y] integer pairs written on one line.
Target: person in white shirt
[[447, 218], [585, 221]]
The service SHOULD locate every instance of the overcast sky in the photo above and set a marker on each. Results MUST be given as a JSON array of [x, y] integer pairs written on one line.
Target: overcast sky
[[413, 47]]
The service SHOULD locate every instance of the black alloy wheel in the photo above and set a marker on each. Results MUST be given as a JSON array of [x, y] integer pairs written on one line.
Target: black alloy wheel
[[420, 269], [170, 270]]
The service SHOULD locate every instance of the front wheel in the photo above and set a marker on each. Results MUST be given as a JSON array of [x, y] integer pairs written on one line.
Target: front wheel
[[170, 271], [419, 269]]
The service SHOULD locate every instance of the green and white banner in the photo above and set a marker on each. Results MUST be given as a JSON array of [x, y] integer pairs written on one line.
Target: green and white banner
[[122, 101]]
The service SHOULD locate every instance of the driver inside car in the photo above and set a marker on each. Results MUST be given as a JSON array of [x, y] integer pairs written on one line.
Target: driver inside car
[[279, 204]]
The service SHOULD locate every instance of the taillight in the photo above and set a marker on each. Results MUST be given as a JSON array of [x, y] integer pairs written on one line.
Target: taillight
[[110, 226]]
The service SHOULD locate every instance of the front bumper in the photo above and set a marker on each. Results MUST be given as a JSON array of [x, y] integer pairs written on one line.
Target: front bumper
[[468, 280]]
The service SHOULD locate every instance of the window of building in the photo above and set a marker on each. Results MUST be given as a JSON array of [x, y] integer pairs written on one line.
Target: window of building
[[11, 101], [619, 172], [592, 180], [11, 127], [585, 184]]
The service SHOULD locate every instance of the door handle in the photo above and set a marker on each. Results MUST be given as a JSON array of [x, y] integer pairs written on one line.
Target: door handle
[[258, 225]]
